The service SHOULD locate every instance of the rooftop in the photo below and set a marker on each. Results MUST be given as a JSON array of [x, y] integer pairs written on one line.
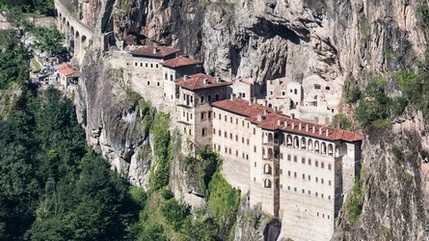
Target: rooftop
[[200, 81], [154, 52], [178, 62], [266, 118], [67, 70]]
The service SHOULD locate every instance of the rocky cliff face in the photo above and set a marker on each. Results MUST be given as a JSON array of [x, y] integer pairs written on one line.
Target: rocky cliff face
[[394, 184], [112, 118]]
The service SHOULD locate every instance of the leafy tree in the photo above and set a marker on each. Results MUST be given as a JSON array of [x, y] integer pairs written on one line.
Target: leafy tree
[[49, 40], [14, 60]]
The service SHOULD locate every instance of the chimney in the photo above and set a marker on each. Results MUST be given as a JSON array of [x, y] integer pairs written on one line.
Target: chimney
[[155, 50], [217, 79], [300, 126], [314, 129], [251, 101], [266, 103], [285, 124], [293, 125], [206, 81], [306, 127], [232, 96], [320, 130], [327, 132], [279, 122], [185, 77], [259, 117]]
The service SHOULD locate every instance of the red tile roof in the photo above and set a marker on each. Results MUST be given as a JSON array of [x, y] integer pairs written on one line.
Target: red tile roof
[[200, 81], [179, 62], [266, 118], [154, 52], [67, 70]]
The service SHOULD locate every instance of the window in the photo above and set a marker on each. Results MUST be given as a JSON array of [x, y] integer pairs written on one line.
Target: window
[[166, 76], [294, 189], [203, 115], [309, 192], [236, 137], [203, 132], [288, 157], [210, 115], [247, 157], [309, 162], [219, 132], [295, 159], [317, 179], [225, 118], [146, 65], [327, 88], [294, 175], [214, 131], [321, 180], [151, 65], [236, 154], [303, 191], [309, 177], [303, 160], [202, 99], [254, 164], [254, 149], [322, 165], [288, 188], [303, 176], [148, 83], [225, 134], [316, 163], [330, 183], [329, 166], [157, 83], [230, 151], [230, 136], [247, 141], [230, 119], [156, 66], [267, 169], [267, 183]]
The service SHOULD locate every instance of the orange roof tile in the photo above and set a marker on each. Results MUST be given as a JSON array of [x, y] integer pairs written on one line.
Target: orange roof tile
[[67, 70], [155, 52], [266, 118], [200, 81], [179, 62]]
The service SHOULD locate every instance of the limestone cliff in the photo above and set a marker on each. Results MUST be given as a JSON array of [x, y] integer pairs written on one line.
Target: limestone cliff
[[112, 119], [394, 187]]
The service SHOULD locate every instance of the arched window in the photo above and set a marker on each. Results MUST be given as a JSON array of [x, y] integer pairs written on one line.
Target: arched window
[[330, 150], [323, 148], [310, 144], [267, 169], [267, 183], [296, 142], [303, 143], [289, 140], [316, 146]]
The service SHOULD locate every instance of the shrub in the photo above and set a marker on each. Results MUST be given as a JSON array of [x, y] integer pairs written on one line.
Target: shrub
[[355, 203], [175, 213]]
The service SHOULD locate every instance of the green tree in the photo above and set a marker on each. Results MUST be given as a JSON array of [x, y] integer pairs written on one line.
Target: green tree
[[49, 40]]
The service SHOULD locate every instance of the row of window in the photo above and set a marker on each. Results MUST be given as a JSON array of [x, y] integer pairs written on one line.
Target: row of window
[[309, 162], [146, 65], [268, 184], [307, 177], [232, 120], [231, 136], [228, 150]]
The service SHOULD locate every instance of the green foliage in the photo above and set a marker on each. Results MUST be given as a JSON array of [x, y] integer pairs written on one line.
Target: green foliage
[[375, 107], [53, 188], [352, 92], [161, 138], [342, 121], [49, 40], [202, 167], [175, 213], [29, 6], [14, 60], [354, 203], [222, 203]]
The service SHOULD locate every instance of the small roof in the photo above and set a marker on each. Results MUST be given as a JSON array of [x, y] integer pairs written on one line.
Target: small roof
[[67, 70], [178, 62], [200, 81], [154, 52], [266, 118]]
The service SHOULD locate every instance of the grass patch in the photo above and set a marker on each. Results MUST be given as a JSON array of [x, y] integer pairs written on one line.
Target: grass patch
[[354, 203]]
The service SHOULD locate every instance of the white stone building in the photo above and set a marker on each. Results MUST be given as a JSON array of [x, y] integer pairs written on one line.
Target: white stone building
[[296, 171]]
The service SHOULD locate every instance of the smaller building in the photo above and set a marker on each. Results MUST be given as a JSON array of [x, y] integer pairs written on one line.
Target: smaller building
[[193, 108], [245, 89], [177, 68], [67, 75]]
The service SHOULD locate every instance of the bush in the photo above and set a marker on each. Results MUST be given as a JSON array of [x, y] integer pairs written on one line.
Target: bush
[[341, 121], [175, 213], [355, 203]]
